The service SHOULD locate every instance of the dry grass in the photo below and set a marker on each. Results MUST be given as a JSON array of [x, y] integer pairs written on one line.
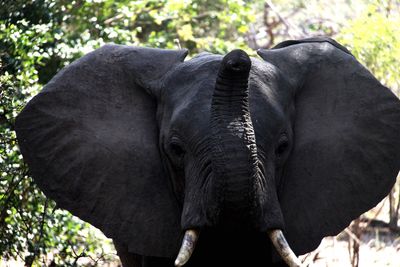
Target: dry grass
[[377, 248]]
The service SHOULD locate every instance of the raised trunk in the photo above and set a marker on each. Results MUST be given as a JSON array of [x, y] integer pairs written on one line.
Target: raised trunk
[[234, 152]]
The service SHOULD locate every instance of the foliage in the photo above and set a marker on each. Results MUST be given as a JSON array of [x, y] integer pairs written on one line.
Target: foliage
[[374, 39], [281, 20], [39, 37], [30, 225]]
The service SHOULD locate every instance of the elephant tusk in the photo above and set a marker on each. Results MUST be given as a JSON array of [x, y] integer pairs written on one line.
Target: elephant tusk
[[283, 248], [188, 244]]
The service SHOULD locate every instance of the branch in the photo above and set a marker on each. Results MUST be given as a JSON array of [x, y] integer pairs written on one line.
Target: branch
[[352, 235], [9, 193], [27, 226], [112, 19], [397, 208], [35, 250], [284, 21]]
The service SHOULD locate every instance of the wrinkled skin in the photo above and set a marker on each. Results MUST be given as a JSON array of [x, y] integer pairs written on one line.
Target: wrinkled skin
[[182, 130], [145, 145], [187, 144]]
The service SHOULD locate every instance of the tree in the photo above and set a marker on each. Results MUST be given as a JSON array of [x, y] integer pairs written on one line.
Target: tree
[[39, 37], [280, 20], [29, 223], [374, 39]]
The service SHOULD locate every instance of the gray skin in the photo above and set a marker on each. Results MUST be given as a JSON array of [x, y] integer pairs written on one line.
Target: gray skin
[[144, 145]]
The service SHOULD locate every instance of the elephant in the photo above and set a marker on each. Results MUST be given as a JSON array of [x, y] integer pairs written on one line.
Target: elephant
[[217, 160]]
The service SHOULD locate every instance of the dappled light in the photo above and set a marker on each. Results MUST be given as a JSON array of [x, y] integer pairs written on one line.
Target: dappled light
[[38, 38]]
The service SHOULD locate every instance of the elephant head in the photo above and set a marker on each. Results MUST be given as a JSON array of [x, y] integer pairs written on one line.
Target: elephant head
[[147, 146]]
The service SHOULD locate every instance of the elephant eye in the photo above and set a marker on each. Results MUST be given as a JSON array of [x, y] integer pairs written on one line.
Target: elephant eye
[[177, 150], [177, 154], [283, 146]]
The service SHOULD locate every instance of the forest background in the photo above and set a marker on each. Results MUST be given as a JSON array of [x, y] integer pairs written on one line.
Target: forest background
[[39, 37]]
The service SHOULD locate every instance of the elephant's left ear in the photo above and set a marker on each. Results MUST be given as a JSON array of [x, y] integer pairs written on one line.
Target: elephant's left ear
[[90, 139], [346, 152]]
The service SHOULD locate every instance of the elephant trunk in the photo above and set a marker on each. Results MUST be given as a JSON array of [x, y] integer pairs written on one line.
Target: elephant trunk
[[234, 151], [234, 156]]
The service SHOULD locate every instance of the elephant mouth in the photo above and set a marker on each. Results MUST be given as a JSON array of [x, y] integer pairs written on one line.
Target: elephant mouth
[[275, 237]]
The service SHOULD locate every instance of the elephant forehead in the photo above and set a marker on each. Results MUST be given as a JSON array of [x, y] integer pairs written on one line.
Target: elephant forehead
[[196, 69], [188, 107], [193, 81]]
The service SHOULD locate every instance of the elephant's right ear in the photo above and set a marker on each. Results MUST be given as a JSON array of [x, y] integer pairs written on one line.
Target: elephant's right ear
[[90, 139]]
